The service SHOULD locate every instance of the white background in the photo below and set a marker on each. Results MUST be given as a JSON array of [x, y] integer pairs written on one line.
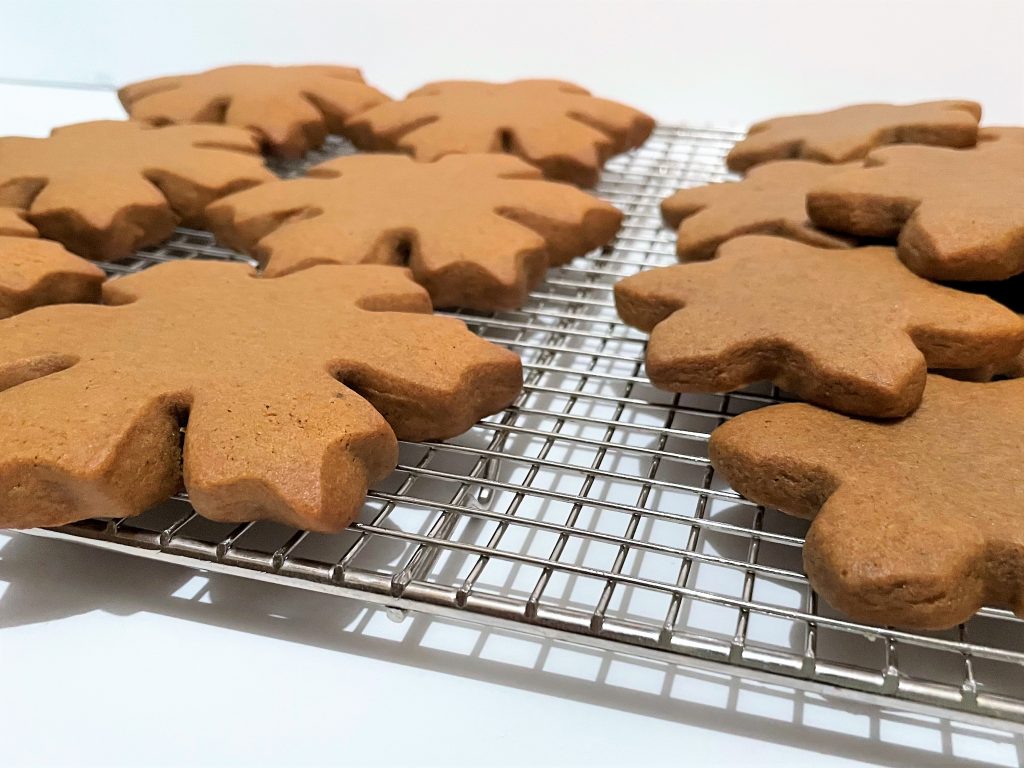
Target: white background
[[710, 61], [108, 660]]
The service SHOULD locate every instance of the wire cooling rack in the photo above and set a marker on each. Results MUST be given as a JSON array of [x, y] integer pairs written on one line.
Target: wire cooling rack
[[588, 510]]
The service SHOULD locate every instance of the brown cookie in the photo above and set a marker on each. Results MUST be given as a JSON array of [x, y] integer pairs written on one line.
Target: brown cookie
[[770, 200], [958, 214], [36, 272], [917, 523], [13, 224], [478, 231], [104, 189], [851, 132], [853, 329], [293, 390], [291, 108], [1012, 368], [557, 126], [1007, 369]]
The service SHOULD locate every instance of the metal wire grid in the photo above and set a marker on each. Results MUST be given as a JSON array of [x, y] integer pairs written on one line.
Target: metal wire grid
[[588, 510]]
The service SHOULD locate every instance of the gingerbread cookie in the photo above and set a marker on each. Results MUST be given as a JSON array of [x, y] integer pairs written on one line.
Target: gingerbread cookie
[[13, 224], [851, 132], [104, 189], [293, 391], [771, 200], [291, 108], [36, 272], [917, 523], [1007, 369], [1012, 368], [958, 214], [557, 126], [853, 329], [478, 231]]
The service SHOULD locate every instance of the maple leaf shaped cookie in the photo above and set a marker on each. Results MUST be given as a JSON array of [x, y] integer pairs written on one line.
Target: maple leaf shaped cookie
[[917, 523], [958, 214], [478, 231], [293, 390], [105, 188], [291, 108], [557, 126], [36, 272], [770, 200], [853, 330], [850, 133]]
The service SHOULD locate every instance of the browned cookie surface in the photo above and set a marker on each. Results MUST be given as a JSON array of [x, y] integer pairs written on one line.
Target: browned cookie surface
[[852, 329], [478, 231], [958, 213], [1008, 369], [851, 132], [770, 200], [105, 188], [293, 390], [557, 126], [918, 522], [36, 272], [1012, 368], [13, 224], [291, 108]]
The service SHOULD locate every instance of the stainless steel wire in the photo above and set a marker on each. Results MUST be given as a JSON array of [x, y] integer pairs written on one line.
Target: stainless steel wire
[[588, 510]]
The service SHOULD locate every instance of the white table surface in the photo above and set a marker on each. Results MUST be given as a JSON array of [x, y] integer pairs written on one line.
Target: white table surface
[[109, 660]]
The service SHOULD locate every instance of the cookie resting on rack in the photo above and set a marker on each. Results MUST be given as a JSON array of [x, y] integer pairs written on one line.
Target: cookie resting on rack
[[770, 200], [557, 126], [293, 391], [105, 188], [36, 272], [958, 213], [478, 231], [849, 133], [917, 523], [853, 330], [291, 108]]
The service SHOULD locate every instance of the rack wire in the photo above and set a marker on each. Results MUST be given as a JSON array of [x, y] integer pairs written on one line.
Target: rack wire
[[588, 511]]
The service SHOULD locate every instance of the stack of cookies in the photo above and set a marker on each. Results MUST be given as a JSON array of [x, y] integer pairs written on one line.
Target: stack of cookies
[[278, 394], [829, 270]]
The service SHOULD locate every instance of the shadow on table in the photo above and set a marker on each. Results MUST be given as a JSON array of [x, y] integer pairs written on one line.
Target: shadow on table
[[39, 572]]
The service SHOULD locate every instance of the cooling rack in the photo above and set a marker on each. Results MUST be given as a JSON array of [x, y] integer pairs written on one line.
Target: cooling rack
[[588, 510]]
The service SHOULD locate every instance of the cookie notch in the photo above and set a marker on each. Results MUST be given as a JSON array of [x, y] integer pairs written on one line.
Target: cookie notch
[[35, 272]]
